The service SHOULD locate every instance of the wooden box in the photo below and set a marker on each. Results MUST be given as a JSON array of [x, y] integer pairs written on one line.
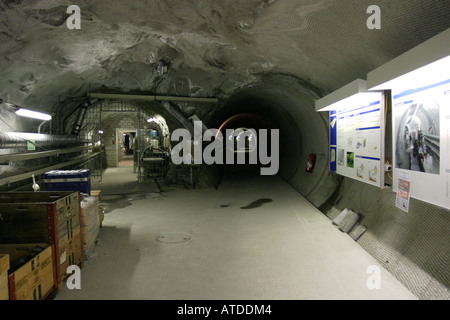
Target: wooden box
[[71, 252], [4, 267], [97, 193], [44, 217], [32, 273]]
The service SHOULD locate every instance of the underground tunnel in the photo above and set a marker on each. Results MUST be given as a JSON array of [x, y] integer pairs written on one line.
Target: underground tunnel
[[113, 83], [287, 107]]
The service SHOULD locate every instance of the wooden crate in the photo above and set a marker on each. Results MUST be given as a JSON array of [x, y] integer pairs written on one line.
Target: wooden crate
[[4, 267], [33, 278], [44, 217], [71, 252], [97, 193]]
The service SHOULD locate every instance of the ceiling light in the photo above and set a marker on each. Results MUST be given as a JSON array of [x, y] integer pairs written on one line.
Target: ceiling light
[[426, 64], [161, 68], [350, 96], [33, 114]]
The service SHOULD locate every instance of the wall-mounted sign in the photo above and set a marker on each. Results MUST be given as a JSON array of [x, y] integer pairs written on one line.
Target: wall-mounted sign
[[357, 132], [403, 190], [31, 145], [357, 141], [421, 138], [420, 85]]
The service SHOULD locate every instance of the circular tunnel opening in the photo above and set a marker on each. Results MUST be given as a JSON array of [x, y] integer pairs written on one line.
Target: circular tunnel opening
[[286, 105], [252, 116], [241, 136]]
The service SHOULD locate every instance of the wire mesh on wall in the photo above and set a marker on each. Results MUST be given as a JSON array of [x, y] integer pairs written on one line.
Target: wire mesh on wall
[[412, 246]]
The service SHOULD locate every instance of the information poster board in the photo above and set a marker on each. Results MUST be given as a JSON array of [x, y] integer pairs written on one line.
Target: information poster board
[[421, 138], [357, 142]]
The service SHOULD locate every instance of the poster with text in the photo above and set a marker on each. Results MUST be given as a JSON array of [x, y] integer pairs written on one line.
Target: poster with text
[[359, 142]]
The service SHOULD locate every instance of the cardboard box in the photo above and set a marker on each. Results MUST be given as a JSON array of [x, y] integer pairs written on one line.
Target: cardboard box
[[4, 267], [44, 217], [32, 274], [97, 193]]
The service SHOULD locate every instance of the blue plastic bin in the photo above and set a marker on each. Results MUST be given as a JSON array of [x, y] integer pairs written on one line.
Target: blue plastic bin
[[68, 180]]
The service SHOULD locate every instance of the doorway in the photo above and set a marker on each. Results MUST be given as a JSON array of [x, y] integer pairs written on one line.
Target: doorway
[[125, 147]]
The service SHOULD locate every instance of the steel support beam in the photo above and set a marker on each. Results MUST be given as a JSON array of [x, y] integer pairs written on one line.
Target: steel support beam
[[151, 97]]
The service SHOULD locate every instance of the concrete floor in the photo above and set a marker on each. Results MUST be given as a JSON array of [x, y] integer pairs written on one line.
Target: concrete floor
[[282, 250]]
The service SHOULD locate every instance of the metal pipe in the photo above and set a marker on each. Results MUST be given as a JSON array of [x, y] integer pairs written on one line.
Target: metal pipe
[[80, 118], [151, 98], [38, 155], [21, 139], [187, 123], [27, 175], [39, 128]]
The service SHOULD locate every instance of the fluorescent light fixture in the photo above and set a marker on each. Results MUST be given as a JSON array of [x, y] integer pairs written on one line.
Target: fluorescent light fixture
[[353, 94], [435, 72], [151, 120], [427, 63], [33, 114]]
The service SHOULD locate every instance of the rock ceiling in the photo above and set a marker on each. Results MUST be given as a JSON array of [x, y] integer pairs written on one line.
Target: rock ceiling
[[211, 47]]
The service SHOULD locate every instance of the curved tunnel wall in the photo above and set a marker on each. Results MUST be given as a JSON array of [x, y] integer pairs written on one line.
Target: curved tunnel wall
[[290, 108]]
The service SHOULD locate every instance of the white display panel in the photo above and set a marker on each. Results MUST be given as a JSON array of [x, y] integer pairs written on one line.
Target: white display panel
[[357, 141], [421, 138]]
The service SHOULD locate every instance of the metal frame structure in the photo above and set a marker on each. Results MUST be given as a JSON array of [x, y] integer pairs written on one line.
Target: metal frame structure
[[93, 123]]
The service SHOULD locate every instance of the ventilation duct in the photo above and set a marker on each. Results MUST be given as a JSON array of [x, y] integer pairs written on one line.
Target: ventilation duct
[[21, 139], [80, 117]]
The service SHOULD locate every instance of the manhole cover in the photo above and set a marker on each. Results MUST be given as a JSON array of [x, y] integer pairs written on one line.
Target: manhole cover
[[174, 238]]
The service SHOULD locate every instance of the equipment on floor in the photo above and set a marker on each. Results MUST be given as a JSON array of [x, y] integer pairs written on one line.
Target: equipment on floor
[[68, 180], [154, 163]]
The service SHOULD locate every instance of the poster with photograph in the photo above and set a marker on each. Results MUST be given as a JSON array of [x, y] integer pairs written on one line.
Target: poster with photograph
[[417, 146], [421, 124]]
